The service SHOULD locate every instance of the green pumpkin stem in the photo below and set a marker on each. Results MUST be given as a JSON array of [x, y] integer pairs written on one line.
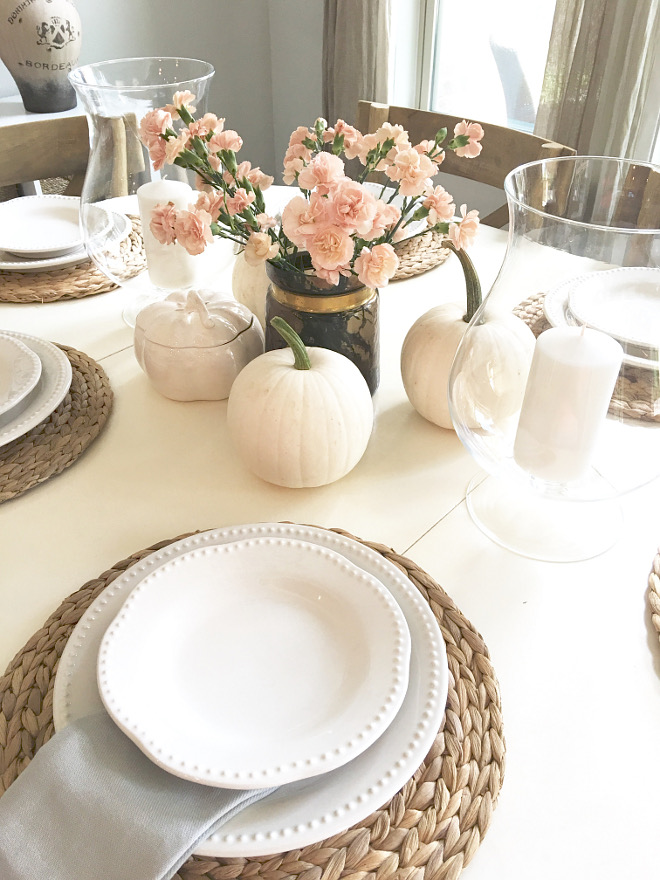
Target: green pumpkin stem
[[300, 357], [472, 285]]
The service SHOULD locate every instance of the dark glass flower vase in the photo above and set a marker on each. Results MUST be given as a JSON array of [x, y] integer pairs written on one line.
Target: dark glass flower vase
[[343, 318]]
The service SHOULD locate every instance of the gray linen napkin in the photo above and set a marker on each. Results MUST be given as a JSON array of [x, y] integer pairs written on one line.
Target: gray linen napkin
[[91, 804]]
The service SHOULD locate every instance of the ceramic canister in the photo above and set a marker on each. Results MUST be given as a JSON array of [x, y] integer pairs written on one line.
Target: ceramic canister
[[40, 43]]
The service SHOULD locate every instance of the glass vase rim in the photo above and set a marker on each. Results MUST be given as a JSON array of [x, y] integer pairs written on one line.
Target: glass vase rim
[[618, 230], [77, 82], [307, 279]]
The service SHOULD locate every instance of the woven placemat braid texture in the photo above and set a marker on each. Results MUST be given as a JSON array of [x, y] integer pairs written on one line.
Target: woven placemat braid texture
[[73, 282], [428, 831], [419, 254], [637, 391], [653, 593], [54, 444]]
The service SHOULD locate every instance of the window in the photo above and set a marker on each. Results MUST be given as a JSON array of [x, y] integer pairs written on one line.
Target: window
[[488, 60], [482, 60]]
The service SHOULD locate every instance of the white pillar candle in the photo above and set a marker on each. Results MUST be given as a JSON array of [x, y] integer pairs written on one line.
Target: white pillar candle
[[571, 380], [170, 266]]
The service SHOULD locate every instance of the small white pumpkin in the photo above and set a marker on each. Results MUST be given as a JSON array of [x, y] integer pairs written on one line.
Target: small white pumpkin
[[430, 346], [493, 372], [426, 358], [300, 417], [249, 285], [192, 345], [490, 376]]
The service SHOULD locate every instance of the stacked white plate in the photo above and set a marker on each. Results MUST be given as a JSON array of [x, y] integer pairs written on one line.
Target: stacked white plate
[[261, 656], [39, 233], [622, 302], [35, 376]]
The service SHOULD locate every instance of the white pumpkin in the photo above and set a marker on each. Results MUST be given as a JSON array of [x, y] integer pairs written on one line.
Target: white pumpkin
[[192, 345], [426, 358], [300, 422], [491, 375], [493, 371], [249, 285]]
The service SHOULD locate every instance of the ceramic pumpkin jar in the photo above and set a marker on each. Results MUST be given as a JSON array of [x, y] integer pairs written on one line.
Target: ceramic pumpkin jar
[[192, 345], [300, 417]]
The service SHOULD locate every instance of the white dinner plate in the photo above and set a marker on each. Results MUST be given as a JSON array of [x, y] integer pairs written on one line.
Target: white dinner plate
[[11, 263], [556, 308], [20, 369], [283, 660], [300, 813], [625, 303], [47, 394], [40, 226]]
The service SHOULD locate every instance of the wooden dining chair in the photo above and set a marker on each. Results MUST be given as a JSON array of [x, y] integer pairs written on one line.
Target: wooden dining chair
[[504, 148], [45, 149], [58, 149]]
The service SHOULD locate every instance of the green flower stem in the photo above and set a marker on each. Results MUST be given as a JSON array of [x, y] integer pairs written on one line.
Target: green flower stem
[[300, 357], [472, 285]]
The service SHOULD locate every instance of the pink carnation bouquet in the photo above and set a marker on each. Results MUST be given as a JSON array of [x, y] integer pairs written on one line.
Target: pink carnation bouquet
[[336, 226]]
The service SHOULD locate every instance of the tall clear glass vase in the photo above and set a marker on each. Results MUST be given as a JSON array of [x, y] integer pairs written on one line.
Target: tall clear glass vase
[[565, 418], [121, 183]]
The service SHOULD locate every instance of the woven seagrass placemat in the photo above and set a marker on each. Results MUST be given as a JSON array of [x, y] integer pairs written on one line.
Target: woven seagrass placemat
[[637, 391], [430, 829], [73, 282], [54, 444], [419, 254], [653, 592]]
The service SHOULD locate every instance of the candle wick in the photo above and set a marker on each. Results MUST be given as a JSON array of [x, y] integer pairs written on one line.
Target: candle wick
[[583, 327]]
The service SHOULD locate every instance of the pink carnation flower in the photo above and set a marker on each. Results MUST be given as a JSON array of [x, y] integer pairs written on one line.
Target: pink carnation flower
[[475, 132], [225, 140], [266, 222], [212, 201], [330, 248], [352, 206], [299, 135], [301, 218], [259, 248], [295, 159], [175, 146], [375, 267], [352, 137], [239, 201], [321, 173], [387, 215], [440, 204], [193, 230], [462, 234], [179, 100], [158, 153], [411, 170], [163, 218], [153, 125], [255, 175], [208, 123]]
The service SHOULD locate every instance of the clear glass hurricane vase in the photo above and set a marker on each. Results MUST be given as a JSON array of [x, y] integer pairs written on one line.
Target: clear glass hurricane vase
[[555, 387], [116, 95]]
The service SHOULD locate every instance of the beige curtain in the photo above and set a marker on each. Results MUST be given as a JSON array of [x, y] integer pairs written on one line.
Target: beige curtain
[[355, 56], [600, 74]]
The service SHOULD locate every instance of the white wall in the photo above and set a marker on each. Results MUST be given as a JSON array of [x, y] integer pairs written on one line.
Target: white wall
[[266, 53]]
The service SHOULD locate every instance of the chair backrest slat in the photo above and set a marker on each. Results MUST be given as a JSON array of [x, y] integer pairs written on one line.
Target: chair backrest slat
[[503, 148], [42, 149]]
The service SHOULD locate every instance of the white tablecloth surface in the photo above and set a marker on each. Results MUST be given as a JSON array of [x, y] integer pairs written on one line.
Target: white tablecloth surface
[[577, 658]]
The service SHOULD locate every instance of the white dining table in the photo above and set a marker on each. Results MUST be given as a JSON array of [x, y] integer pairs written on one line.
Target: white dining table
[[569, 642]]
